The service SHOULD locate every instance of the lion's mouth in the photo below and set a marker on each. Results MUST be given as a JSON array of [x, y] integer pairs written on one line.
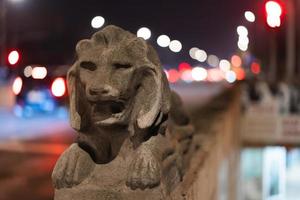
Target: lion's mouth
[[107, 112]]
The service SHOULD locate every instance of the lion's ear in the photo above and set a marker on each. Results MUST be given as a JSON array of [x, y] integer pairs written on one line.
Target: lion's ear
[[75, 118], [153, 98]]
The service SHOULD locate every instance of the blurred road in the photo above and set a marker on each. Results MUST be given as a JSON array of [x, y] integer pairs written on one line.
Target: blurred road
[[30, 147]]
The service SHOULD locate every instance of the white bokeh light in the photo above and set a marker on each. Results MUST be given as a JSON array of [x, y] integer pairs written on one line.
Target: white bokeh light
[[163, 41], [28, 71], [250, 17], [244, 39], [144, 32], [17, 85], [242, 31], [175, 46], [230, 76], [199, 73], [274, 12], [243, 43], [224, 65], [58, 87], [213, 60], [192, 52], [97, 22], [242, 46], [201, 55], [13, 57], [39, 72]]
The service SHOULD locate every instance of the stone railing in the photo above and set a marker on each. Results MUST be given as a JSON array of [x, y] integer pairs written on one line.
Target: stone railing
[[214, 167]]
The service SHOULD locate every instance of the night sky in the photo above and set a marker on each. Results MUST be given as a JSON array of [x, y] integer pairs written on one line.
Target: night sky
[[46, 31]]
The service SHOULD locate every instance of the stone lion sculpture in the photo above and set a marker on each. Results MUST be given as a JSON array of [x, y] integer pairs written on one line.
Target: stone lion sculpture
[[119, 96]]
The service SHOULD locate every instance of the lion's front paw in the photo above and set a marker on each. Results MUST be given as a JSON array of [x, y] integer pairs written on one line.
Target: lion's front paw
[[72, 168], [144, 171]]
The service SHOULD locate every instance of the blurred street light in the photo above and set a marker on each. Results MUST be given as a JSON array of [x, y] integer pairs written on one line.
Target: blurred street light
[[17, 85], [199, 73], [242, 46], [192, 52], [28, 71], [163, 41], [213, 60], [13, 57], [242, 31], [39, 72], [230, 76], [174, 75], [175, 46], [224, 65], [236, 61], [144, 32], [97, 22], [274, 12], [58, 87], [250, 17], [200, 55]]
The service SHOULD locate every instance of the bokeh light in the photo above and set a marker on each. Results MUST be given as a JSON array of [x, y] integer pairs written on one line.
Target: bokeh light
[[28, 71], [215, 75], [17, 85], [184, 66], [230, 76], [39, 72], [242, 31], [174, 75], [274, 12], [186, 76], [240, 73], [224, 65], [250, 17], [200, 55], [163, 41], [236, 61], [192, 52], [175, 46], [255, 68], [199, 73], [242, 46], [144, 33], [58, 87], [97, 22], [13, 57], [213, 60]]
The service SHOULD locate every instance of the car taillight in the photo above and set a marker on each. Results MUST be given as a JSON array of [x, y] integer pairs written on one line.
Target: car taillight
[[17, 85], [58, 87]]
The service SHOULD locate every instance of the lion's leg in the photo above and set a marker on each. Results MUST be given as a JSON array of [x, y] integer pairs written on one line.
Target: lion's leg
[[145, 169], [73, 166]]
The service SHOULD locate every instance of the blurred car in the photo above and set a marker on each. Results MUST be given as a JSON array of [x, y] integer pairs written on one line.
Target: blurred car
[[39, 92]]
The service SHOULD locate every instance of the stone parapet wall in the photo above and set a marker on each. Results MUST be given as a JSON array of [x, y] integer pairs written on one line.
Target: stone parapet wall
[[214, 166]]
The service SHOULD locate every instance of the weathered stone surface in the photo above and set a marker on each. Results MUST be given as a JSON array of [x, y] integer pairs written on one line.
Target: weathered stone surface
[[134, 138]]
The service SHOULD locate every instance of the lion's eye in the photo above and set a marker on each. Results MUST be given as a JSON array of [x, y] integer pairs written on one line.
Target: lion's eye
[[88, 65], [122, 65]]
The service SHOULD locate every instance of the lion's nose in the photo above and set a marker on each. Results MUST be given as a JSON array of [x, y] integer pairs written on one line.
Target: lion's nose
[[98, 91], [104, 91]]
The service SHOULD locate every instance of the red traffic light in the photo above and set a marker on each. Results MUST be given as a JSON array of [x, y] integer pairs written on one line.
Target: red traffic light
[[274, 13], [13, 57]]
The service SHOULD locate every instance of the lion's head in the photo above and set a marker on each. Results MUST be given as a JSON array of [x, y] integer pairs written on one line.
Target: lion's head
[[117, 79]]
